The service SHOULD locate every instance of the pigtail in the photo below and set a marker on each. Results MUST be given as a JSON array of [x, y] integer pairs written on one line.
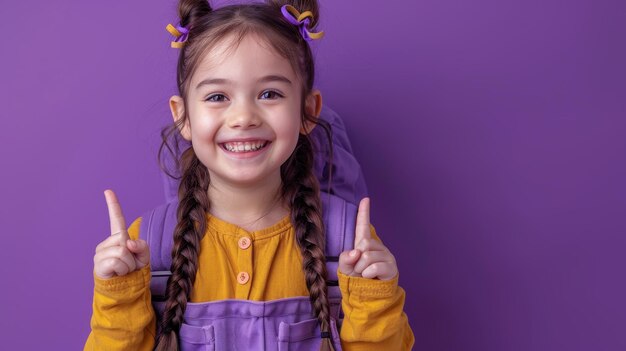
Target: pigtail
[[191, 215], [193, 202], [301, 189]]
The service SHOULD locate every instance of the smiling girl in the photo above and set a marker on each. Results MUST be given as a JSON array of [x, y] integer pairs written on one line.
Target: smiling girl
[[248, 265]]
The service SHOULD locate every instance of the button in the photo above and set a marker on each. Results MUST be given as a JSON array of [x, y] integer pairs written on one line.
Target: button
[[243, 277], [244, 242]]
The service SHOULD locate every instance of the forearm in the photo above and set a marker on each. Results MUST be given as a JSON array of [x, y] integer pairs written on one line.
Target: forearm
[[373, 315], [123, 318]]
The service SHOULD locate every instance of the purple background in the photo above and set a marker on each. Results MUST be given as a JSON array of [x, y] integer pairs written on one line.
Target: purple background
[[491, 134]]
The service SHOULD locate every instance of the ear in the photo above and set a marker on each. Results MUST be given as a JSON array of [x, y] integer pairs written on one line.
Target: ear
[[313, 107], [177, 106]]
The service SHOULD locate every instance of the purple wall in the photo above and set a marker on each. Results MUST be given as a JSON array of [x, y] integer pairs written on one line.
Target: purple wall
[[491, 133]]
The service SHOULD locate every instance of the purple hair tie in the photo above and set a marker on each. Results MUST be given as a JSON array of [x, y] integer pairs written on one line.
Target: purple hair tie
[[180, 33], [301, 20]]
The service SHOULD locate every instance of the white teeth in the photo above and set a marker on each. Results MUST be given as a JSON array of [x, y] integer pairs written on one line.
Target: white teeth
[[244, 146]]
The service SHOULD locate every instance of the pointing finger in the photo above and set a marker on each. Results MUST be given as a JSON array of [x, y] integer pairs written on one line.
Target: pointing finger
[[116, 218], [362, 222]]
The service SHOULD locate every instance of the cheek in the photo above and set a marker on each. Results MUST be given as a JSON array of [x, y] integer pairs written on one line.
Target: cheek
[[289, 129], [203, 128], [290, 122]]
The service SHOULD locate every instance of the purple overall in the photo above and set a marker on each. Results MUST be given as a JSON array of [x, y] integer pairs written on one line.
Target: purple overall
[[234, 324]]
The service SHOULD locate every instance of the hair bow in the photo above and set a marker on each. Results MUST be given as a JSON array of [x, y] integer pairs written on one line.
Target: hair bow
[[180, 33], [301, 20]]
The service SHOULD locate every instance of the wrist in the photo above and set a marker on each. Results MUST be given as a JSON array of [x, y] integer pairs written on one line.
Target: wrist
[[365, 287], [138, 278]]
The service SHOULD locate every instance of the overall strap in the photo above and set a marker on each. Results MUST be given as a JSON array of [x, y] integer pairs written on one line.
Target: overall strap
[[157, 228]]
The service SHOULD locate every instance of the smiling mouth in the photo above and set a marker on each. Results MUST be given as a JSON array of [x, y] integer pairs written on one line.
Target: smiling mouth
[[245, 146]]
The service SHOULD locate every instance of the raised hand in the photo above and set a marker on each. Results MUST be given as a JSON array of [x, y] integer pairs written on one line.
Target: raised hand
[[117, 255], [369, 258]]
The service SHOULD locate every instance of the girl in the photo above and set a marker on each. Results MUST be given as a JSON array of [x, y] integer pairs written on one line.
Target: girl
[[249, 230]]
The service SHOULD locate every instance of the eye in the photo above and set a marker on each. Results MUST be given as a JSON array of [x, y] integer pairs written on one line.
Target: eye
[[211, 98], [265, 93]]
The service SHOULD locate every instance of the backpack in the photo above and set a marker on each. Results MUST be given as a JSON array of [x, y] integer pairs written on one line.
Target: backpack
[[339, 210]]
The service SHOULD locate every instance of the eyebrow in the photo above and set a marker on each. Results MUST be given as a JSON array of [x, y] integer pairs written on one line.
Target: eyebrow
[[266, 79]]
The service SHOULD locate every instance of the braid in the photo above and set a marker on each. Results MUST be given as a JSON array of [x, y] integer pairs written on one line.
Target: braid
[[191, 215], [301, 190]]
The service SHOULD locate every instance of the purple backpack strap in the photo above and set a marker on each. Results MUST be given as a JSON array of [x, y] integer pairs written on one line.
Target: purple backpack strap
[[154, 225], [157, 227], [340, 223]]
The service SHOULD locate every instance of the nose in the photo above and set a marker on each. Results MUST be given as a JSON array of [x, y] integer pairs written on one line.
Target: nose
[[244, 116]]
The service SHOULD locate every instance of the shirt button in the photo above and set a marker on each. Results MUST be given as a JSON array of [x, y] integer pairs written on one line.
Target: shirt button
[[243, 278], [244, 242]]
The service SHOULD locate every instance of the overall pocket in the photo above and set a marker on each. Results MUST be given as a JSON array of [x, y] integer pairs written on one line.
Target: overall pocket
[[195, 338], [305, 336]]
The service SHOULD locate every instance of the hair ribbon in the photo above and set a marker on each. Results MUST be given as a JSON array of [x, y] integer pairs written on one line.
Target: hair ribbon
[[301, 20], [294, 17], [180, 33]]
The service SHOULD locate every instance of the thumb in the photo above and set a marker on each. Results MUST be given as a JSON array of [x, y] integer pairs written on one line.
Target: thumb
[[347, 261], [140, 251]]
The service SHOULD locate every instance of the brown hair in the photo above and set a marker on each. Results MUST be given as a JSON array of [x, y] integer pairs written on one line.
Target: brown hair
[[300, 187]]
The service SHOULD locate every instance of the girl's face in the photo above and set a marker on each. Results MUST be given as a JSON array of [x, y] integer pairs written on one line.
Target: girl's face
[[244, 112]]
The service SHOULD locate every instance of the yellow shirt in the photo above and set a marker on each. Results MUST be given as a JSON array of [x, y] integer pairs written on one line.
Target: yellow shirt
[[123, 317]]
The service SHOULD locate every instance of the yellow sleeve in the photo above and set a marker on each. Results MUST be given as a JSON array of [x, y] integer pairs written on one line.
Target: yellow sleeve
[[123, 318], [373, 313]]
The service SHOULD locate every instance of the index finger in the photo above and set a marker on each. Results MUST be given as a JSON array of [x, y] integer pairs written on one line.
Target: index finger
[[363, 222], [116, 218]]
